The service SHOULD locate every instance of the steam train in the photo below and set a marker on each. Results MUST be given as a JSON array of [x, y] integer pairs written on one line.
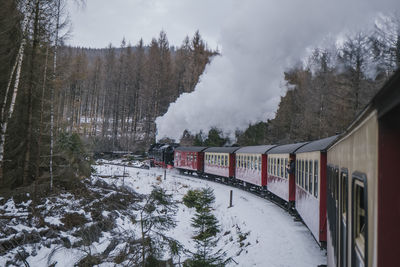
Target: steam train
[[345, 188]]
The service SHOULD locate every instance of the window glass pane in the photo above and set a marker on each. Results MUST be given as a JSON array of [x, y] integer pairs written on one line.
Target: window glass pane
[[344, 193], [359, 217], [259, 163], [306, 176], [274, 166], [316, 188], [278, 166], [286, 173], [310, 177], [302, 173]]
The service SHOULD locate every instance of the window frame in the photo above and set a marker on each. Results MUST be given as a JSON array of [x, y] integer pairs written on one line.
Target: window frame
[[357, 179], [316, 178]]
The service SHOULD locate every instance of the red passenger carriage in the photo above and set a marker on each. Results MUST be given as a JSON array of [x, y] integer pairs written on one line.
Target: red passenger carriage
[[280, 182], [310, 179], [189, 159], [220, 161], [251, 165]]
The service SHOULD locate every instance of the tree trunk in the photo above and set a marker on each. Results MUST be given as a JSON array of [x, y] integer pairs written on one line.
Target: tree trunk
[[52, 97], [41, 124], [31, 85]]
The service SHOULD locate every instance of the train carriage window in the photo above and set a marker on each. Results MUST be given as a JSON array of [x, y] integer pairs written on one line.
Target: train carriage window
[[269, 165], [256, 162], [359, 220], [316, 188], [344, 192], [336, 186], [251, 162], [302, 173], [226, 160], [278, 166], [259, 163], [310, 177], [195, 157], [274, 166], [297, 172], [286, 173], [306, 175]]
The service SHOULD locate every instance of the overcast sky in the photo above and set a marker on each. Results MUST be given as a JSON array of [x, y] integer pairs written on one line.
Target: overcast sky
[[102, 22], [259, 39]]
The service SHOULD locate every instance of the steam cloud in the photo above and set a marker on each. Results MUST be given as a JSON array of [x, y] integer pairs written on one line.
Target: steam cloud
[[259, 40]]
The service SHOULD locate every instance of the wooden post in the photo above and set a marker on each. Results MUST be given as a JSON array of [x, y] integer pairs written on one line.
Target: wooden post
[[123, 177], [230, 199], [165, 174]]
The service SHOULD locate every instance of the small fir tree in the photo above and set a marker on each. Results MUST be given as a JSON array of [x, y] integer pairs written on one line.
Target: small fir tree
[[206, 229], [157, 215]]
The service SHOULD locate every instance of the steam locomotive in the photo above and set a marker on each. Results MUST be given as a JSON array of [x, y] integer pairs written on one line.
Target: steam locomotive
[[345, 188]]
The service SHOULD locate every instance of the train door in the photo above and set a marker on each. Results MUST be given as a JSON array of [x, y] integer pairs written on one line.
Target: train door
[[343, 218], [359, 221]]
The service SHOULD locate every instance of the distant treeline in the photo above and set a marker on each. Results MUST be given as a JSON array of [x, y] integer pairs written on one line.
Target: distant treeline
[[114, 95], [56, 100]]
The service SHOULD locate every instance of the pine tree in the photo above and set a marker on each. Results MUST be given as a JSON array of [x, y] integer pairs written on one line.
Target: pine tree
[[157, 215], [206, 229]]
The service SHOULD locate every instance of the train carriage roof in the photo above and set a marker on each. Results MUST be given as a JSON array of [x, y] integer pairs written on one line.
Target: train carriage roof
[[255, 149], [191, 148], [318, 145], [286, 149], [221, 149]]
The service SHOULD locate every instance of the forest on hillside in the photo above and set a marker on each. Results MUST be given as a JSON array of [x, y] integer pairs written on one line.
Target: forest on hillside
[[60, 104], [112, 96]]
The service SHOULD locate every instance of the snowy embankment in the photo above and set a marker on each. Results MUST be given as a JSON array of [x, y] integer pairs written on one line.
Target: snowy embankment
[[272, 237], [95, 227]]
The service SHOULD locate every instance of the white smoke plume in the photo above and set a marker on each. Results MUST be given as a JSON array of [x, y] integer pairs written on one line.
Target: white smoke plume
[[260, 39]]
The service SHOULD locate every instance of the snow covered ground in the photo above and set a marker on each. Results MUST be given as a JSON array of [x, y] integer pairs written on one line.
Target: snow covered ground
[[254, 231], [274, 238]]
